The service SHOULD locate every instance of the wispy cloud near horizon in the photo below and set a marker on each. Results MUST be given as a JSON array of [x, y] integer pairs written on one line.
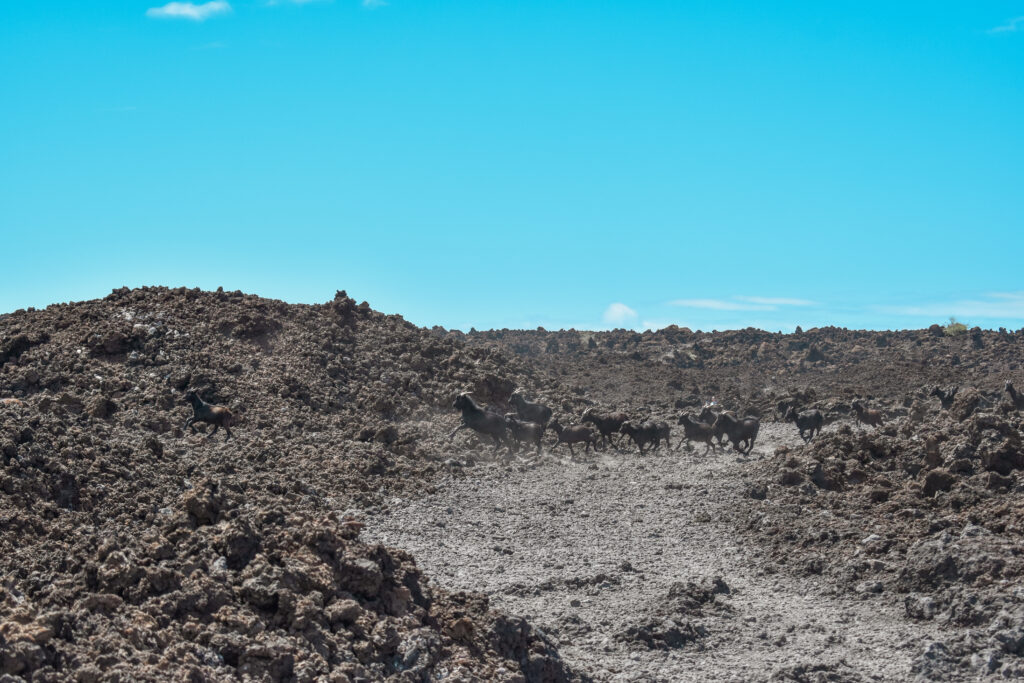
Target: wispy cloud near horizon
[[1012, 26], [741, 303], [719, 305], [189, 10], [271, 3], [775, 301], [1004, 305]]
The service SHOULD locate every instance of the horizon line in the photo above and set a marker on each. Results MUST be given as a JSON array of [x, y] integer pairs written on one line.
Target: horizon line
[[470, 329]]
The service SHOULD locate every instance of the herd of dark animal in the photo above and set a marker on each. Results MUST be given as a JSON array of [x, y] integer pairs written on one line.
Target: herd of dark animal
[[531, 420], [596, 430], [711, 426]]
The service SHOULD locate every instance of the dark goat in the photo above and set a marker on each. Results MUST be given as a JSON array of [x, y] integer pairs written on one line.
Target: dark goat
[[662, 431], [694, 430], [530, 432], [867, 415], [945, 396], [531, 412], [606, 423], [1018, 399], [709, 416], [642, 434], [574, 434], [739, 430], [479, 420], [218, 416], [806, 421]]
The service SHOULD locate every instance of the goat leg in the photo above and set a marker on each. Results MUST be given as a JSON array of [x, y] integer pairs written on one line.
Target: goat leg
[[456, 431]]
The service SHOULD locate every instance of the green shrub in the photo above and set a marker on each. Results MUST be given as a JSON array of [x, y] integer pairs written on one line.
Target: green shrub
[[954, 327]]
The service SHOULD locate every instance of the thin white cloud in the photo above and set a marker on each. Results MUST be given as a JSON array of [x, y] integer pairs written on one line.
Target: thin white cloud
[[1001, 305], [741, 303], [775, 301], [720, 305], [373, 4], [189, 10], [1012, 26], [618, 314], [271, 3]]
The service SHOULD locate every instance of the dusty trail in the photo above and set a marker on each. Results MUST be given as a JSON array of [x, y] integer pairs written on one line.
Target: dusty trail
[[588, 549]]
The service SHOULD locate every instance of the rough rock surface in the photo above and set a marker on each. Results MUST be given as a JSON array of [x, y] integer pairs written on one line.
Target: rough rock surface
[[635, 568], [929, 514], [130, 549]]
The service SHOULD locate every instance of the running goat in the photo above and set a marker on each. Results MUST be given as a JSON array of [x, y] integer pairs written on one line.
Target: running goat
[[739, 430], [695, 430], [642, 433], [867, 415], [709, 416], [945, 396], [529, 411], [218, 416], [806, 421], [575, 434], [606, 423], [530, 432], [662, 431], [479, 420]]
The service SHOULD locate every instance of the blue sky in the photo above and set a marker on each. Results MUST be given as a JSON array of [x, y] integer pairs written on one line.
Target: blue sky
[[513, 164]]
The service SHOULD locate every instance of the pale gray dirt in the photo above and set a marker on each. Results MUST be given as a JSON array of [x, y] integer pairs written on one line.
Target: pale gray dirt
[[551, 540]]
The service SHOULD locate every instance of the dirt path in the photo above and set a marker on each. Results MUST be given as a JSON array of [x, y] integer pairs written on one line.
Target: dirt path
[[591, 549]]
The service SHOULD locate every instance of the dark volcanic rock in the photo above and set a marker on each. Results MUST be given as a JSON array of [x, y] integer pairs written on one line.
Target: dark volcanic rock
[[132, 550]]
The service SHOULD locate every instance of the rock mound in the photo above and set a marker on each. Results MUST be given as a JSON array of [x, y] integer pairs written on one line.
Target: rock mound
[[129, 548]]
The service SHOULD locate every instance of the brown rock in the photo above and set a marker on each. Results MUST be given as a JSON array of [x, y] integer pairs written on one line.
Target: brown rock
[[938, 480], [100, 407]]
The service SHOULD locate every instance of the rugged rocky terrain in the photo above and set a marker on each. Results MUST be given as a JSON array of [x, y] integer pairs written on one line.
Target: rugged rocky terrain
[[927, 512], [132, 549], [754, 371], [635, 567]]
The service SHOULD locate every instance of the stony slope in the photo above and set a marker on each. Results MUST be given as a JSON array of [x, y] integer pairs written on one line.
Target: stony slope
[[129, 548], [635, 567], [753, 371]]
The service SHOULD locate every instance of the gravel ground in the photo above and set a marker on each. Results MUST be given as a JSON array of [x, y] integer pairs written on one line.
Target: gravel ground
[[590, 548]]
